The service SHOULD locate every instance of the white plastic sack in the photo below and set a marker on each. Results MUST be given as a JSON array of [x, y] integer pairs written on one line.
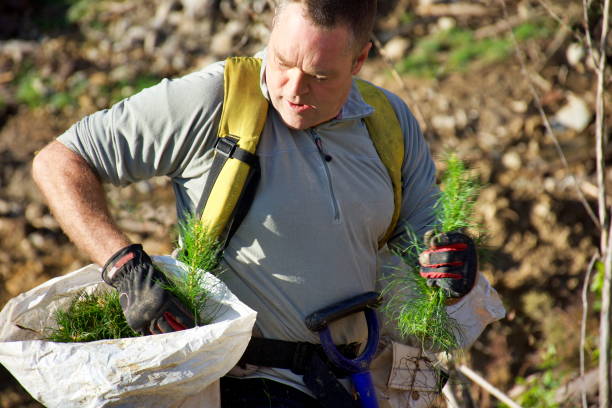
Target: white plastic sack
[[475, 311], [165, 370]]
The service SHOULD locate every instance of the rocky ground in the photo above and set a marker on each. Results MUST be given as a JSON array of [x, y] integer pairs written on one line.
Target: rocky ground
[[68, 58]]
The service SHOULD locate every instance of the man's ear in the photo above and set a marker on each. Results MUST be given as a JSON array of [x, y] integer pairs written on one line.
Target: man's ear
[[361, 57]]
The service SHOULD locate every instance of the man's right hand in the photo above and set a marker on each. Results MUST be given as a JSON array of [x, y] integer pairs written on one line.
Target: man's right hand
[[148, 307]]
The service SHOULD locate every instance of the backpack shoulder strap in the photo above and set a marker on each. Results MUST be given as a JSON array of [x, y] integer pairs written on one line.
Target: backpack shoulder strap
[[388, 139], [235, 168], [244, 106]]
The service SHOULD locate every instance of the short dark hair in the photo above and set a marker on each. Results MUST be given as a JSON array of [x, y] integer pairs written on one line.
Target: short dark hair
[[358, 15]]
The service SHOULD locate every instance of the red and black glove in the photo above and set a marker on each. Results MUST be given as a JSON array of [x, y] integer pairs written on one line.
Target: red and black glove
[[450, 262], [147, 306]]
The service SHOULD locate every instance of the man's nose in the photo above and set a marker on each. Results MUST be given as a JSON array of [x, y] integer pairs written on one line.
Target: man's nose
[[297, 83]]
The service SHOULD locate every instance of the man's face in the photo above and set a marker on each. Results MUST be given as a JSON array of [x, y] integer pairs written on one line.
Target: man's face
[[309, 69]]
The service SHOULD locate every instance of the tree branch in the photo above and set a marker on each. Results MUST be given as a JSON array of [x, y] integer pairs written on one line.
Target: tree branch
[[476, 378], [583, 324], [605, 382], [559, 20], [604, 329], [587, 30], [600, 131]]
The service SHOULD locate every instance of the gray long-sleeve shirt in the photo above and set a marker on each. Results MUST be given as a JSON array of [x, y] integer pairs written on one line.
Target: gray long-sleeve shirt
[[311, 236]]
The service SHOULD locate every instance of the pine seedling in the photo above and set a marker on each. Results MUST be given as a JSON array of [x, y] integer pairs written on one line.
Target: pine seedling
[[90, 317], [423, 315], [199, 249], [455, 205], [200, 253]]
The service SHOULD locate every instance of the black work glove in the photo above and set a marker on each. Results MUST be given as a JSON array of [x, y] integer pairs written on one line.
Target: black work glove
[[450, 262], [147, 306]]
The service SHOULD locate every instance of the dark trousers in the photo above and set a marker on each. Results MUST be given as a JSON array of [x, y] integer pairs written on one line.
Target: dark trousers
[[262, 393]]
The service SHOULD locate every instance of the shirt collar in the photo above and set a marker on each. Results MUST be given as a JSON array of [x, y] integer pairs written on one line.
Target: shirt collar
[[355, 106], [262, 73]]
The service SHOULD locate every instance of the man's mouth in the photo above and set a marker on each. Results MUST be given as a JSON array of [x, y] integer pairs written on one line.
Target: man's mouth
[[299, 107]]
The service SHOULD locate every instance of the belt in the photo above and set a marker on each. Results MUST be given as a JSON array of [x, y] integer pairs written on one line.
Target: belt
[[308, 360]]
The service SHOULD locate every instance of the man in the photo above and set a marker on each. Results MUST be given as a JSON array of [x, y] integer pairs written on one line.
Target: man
[[311, 235]]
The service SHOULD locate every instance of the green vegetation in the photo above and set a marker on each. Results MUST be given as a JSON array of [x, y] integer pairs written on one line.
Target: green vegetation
[[407, 17], [597, 284], [454, 49], [30, 90], [37, 91], [198, 249], [455, 205], [99, 316], [61, 100], [423, 315], [533, 30], [199, 252], [540, 392], [81, 10], [123, 89], [91, 317]]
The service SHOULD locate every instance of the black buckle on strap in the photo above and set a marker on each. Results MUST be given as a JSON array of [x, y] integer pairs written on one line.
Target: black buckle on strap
[[301, 357], [226, 146]]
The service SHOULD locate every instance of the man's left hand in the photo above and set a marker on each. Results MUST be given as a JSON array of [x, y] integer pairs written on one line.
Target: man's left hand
[[450, 262]]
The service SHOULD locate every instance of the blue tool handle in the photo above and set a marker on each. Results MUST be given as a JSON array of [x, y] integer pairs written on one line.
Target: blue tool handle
[[357, 367], [365, 389], [318, 320], [362, 362]]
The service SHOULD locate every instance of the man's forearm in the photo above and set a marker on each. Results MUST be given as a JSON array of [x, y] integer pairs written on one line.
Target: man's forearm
[[76, 198]]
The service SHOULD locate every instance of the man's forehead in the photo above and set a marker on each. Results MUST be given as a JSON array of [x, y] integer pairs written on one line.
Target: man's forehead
[[295, 35], [313, 62]]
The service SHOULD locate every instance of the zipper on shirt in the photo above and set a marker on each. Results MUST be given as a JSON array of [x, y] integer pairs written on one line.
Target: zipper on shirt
[[326, 158], [319, 142]]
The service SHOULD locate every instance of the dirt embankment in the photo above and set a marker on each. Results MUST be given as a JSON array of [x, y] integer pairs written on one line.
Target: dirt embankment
[[541, 238]]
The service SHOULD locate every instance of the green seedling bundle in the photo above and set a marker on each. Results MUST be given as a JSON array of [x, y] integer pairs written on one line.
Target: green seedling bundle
[[90, 317], [199, 252], [98, 315], [422, 315]]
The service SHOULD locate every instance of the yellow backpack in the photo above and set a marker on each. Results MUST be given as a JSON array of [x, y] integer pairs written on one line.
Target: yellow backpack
[[234, 174]]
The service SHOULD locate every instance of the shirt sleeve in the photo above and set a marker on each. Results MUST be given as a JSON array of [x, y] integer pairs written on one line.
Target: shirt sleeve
[[419, 188], [419, 196], [162, 130]]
